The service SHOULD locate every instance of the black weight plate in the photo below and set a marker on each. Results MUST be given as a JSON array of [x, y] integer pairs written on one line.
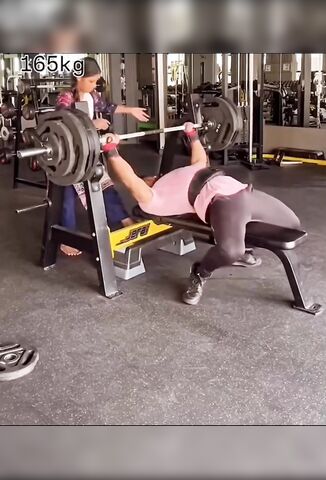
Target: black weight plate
[[21, 87], [58, 137], [28, 112], [61, 165], [238, 113], [8, 110], [93, 142], [224, 123], [16, 361], [89, 168], [94, 145], [57, 146], [77, 162], [225, 120], [27, 136]]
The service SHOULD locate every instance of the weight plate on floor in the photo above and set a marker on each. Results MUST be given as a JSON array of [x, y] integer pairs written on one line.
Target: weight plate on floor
[[16, 361], [70, 132], [224, 124]]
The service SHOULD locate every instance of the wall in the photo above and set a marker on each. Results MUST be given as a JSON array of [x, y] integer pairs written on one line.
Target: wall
[[294, 137], [273, 60]]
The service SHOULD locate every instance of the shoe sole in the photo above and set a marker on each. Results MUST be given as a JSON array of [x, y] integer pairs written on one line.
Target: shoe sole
[[248, 265], [191, 302]]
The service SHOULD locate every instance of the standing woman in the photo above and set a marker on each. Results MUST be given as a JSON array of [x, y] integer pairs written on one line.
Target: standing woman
[[84, 89]]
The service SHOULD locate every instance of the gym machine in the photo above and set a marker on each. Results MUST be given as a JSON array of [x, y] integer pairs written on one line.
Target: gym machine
[[68, 149]]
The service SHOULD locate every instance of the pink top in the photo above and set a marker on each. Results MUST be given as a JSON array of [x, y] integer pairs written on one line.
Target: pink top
[[170, 193]]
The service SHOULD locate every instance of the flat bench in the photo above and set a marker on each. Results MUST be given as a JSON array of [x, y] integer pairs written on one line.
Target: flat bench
[[279, 240]]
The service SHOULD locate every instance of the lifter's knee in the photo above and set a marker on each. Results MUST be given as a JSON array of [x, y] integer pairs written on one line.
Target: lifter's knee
[[296, 223], [231, 252]]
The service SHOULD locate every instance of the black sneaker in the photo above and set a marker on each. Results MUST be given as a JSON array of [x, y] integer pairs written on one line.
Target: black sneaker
[[195, 288]]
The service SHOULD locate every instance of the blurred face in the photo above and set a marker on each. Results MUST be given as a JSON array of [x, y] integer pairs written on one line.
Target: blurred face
[[87, 84]]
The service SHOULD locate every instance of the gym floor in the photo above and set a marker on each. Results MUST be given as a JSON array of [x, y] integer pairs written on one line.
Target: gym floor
[[242, 356]]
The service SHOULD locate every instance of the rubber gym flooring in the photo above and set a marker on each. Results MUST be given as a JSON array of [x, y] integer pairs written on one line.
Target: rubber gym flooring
[[242, 356]]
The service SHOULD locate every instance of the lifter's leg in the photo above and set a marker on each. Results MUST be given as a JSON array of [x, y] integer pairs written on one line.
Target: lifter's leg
[[68, 219], [268, 209], [228, 217]]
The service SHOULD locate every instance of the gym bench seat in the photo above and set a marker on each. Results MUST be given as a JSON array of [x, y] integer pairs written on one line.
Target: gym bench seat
[[279, 240]]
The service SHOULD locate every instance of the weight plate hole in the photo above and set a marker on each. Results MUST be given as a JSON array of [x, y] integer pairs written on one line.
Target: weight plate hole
[[27, 358], [10, 357], [226, 133]]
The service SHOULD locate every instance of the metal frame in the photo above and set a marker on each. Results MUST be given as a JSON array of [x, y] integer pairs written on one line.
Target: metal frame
[[250, 92], [255, 162], [260, 136], [288, 257], [305, 92], [225, 87], [97, 243], [292, 269], [161, 96]]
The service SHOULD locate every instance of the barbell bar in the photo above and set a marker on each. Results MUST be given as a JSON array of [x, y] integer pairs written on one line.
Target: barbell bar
[[46, 203], [29, 111], [67, 145], [128, 136], [34, 152]]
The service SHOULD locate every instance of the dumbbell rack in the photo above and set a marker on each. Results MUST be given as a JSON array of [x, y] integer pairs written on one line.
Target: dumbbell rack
[[16, 178], [6, 143]]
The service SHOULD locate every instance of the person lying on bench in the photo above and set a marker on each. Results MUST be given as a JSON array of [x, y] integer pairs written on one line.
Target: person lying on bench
[[219, 200]]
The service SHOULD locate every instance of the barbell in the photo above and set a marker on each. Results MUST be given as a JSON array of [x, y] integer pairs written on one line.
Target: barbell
[[29, 111], [9, 111], [67, 145], [25, 87]]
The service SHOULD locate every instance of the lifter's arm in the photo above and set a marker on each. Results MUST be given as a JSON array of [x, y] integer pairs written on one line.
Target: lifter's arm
[[141, 192], [198, 154]]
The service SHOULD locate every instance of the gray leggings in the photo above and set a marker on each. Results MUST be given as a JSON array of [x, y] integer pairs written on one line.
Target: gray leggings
[[229, 216]]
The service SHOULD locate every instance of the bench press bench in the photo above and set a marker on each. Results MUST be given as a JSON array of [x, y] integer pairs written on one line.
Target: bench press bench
[[279, 240]]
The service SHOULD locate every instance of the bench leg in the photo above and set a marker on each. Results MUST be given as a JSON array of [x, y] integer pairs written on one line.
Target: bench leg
[[291, 266]]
